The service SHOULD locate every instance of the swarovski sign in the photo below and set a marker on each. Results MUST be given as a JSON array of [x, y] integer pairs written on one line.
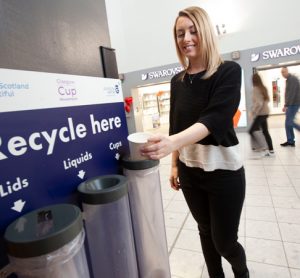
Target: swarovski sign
[[161, 73], [276, 53]]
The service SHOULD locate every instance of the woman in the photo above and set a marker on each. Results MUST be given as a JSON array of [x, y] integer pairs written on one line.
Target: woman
[[205, 157], [260, 113]]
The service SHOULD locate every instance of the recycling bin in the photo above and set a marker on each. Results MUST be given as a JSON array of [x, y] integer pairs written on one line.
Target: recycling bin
[[48, 243], [108, 226], [147, 216]]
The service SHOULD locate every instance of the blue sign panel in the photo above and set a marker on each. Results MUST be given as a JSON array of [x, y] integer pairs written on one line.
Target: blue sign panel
[[45, 154], [56, 131]]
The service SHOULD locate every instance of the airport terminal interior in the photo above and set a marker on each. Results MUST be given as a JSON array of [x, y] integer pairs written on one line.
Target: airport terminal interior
[[56, 57]]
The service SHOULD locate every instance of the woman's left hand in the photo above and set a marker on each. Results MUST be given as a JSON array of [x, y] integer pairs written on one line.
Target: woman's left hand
[[158, 146]]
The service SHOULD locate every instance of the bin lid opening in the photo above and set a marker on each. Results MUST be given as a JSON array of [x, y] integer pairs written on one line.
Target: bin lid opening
[[99, 184], [43, 230], [103, 189]]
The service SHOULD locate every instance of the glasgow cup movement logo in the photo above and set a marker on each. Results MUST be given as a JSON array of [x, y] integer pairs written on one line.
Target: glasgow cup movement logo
[[66, 89], [254, 57]]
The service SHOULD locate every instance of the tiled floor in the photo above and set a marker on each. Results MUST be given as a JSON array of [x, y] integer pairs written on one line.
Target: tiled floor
[[270, 223]]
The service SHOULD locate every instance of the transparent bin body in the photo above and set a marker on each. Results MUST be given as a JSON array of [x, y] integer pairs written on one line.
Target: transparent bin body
[[147, 218], [108, 226], [48, 243]]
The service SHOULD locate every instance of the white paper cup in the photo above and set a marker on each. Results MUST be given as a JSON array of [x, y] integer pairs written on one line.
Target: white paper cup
[[136, 142]]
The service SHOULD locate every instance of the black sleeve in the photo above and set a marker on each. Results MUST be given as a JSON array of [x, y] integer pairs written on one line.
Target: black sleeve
[[224, 101]]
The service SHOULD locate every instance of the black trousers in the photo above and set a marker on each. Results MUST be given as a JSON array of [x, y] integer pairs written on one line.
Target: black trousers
[[215, 200], [261, 122]]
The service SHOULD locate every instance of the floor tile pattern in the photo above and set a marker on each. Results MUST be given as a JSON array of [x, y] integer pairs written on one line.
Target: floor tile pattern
[[270, 223]]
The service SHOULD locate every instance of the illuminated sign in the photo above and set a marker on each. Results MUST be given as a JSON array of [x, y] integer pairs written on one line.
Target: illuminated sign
[[161, 73], [276, 53]]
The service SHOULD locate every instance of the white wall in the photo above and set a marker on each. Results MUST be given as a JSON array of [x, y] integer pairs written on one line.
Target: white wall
[[141, 30]]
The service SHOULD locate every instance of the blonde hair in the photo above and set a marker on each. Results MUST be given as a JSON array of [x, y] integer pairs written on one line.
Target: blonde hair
[[208, 45]]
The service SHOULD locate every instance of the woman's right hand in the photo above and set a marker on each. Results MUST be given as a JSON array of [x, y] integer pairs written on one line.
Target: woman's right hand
[[158, 146], [174, 179]]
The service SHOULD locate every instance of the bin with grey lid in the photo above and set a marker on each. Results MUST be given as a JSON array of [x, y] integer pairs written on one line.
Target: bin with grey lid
[[108, 226], [147, 216], [48, 243]]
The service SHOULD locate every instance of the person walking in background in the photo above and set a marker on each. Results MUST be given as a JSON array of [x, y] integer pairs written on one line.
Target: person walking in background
[[259, 113], [206, 162], [291, 106]]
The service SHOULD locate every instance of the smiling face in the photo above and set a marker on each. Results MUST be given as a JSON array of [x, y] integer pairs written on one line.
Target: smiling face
[[187, 38], [196, 42]]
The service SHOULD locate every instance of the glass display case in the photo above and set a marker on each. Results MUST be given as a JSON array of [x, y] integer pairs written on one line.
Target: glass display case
[[150, 105], [163, 98]]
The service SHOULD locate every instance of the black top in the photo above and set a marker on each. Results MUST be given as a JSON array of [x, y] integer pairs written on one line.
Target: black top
[[212, 102]]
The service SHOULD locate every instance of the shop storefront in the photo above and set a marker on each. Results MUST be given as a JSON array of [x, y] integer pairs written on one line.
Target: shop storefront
[[268, 61], [152, 105], [275, 83], [150, 88]]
